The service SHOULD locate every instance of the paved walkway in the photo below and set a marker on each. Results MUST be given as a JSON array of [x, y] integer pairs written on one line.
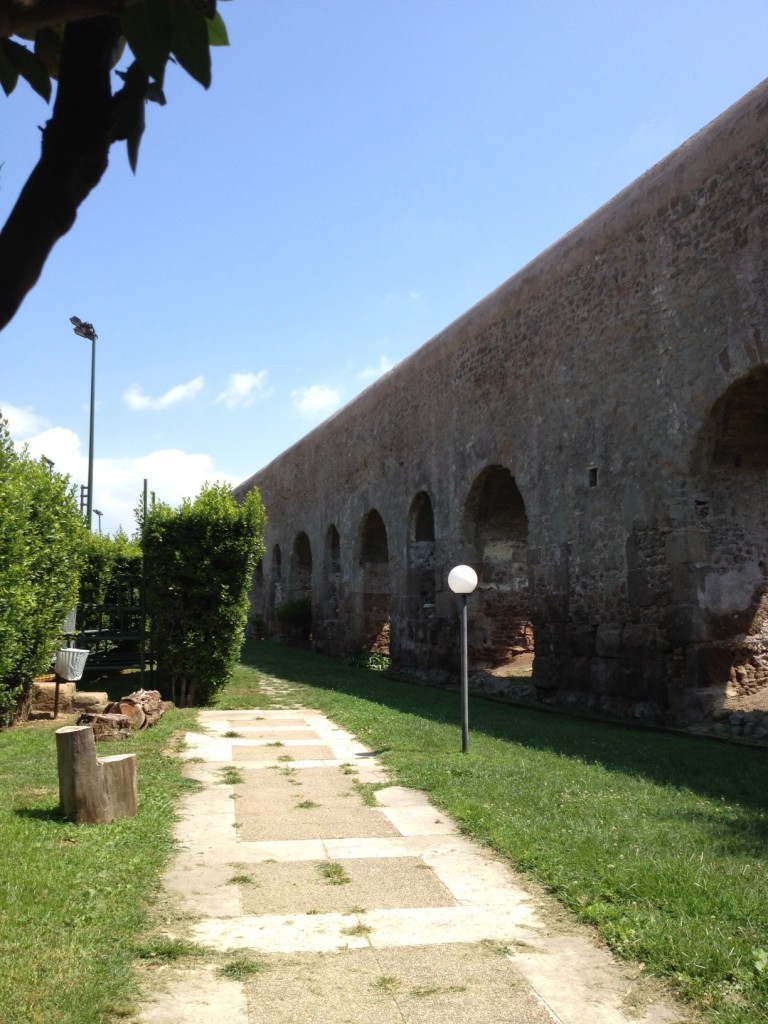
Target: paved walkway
[[351, 913]]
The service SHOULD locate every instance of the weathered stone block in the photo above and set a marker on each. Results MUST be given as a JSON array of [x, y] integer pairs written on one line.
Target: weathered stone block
[[605, 675], [684, 624], [638, 588], [683, 546], [581, 640], [608, 639]]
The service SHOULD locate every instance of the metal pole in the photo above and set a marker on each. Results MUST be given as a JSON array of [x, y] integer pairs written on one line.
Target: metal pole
[[89, 505], [464, 677]]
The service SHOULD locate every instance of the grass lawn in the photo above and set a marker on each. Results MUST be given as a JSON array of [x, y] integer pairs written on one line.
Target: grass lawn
[[75, 901], [658, 840]]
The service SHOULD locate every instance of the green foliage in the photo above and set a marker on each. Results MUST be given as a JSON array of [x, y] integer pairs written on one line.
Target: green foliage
[[155, 31], [41, 540], [373, 660], [111, 602], [105, 559], [199, 563], [295, 613]]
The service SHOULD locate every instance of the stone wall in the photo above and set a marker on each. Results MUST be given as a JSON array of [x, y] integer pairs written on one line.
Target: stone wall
[[592, 437]]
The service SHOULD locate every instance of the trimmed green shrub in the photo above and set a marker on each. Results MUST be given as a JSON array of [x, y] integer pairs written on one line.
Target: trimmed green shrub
[[199, 560], [295, 613], [107, 561], [41, 539]]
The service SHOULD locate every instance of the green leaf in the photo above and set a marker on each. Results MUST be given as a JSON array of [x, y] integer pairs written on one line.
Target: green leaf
[[29, 67], [148, 28], [9, 74], [48, 49], [189, 43], [155, 94], [134, 138], [217, 31]]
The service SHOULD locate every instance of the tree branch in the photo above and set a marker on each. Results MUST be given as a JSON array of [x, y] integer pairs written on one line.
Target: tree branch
[[26, 16], [74, 156]]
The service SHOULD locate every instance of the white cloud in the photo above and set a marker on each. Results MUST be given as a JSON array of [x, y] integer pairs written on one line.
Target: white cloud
[[62, 447], [170, 473], [241, 387], [372, 372], [315, 400], [118, 483], [135, 398], [22, 423]]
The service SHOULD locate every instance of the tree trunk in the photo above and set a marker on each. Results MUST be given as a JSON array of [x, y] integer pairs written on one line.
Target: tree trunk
[[93, 790], [74, 156]]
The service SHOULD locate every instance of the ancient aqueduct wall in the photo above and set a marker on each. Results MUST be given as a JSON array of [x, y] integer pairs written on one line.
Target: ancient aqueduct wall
[[592, 437]]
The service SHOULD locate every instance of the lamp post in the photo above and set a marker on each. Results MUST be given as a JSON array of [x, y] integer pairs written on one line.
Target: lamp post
[[85, 330], [462, 580], [98, 513]]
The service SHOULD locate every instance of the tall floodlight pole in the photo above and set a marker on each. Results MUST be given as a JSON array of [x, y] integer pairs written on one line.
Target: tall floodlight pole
[[85, 330], [462, 580]]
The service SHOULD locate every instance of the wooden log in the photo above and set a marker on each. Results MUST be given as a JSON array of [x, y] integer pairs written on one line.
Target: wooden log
[[133, 712], [43, 697], [143, 708], [150, 702], [106, 727], [93, 790], [119, 775]]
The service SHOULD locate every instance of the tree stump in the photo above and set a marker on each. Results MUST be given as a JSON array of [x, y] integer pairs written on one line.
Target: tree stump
[[143, 708], [93, 790]]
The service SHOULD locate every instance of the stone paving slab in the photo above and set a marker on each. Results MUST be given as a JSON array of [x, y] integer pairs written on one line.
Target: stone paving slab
[[268, 807], [294, 752], [300, 887], [303, 933], [433, 928], [195, 996], [451, 983]]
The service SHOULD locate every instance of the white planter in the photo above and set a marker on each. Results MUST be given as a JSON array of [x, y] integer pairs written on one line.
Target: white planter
[[70, 662]]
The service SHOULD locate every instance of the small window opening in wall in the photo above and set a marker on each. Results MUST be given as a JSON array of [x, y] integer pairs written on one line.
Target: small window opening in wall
[[593, 476]]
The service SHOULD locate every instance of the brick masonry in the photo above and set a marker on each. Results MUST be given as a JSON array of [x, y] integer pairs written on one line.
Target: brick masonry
[[592, 437]]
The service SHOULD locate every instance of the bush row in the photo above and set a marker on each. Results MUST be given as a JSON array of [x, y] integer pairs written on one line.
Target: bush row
[[199, 562], [42, 540]]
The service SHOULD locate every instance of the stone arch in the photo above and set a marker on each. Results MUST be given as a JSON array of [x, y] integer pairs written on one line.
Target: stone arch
[[329, 627], [495, 531], [719, 564], [300, 579], [420, 581], [257, 605], [373, 598], [331, 589], [275, 592]]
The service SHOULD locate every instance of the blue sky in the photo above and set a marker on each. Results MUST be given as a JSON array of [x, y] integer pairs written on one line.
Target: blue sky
[[359, 174]]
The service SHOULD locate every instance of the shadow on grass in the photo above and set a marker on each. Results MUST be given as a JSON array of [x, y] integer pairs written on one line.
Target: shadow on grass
[[41, 814], [725, 772]]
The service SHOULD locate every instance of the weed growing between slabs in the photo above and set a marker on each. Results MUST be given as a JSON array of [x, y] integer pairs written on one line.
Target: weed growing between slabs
[[658, 840], [75, 899]]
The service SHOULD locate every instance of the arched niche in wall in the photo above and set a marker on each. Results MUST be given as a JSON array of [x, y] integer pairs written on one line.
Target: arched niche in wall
[[495, 530], [420, 581], [257, 595], [331, 587], [300, 580], [373, 597], [720, 564], [276, 581]]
